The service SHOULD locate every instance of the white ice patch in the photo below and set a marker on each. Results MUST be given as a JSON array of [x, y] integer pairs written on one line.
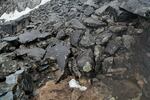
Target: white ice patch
[[75, 84], [15, 15]]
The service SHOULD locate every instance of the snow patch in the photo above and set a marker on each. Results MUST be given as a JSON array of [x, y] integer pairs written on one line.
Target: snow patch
[[15, 15], [75, 84]]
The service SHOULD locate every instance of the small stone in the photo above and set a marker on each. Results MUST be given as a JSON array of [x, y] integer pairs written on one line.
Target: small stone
[[88, 11], [83, 58], [112, 47], [103, 38], [76, 37], [87, 40], [74, 23], [118, 29], [61, 34], [87, 67], [94, 23]]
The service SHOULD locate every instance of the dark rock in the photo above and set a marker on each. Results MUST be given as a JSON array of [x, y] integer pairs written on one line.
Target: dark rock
[[119, 29], [74, 23], [113, 46], [61, 34], [88, 11], [85, 61], [74, 68], [3, 46], [15, 26], [60, 52], [128, 41], [126, 17], [107, 64], [103, 38], [139, 7], [26, 83], [76, 37], [87, 40], [33, 53], [95, 23]]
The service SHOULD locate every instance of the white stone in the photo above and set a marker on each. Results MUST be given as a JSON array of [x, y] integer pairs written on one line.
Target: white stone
[[75, 84]]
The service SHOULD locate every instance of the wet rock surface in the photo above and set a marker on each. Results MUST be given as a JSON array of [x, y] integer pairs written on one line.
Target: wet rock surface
[[102, 44]]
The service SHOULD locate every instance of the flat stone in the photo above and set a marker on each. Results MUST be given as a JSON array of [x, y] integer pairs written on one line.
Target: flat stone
[[33, 53], [13, 78], [90, 22], [118, 29], [28, 36], [10, 39], [75, 23], [103, 38], [59, 52]]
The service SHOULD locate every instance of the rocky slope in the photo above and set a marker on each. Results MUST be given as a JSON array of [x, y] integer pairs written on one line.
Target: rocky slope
[[103, 44]]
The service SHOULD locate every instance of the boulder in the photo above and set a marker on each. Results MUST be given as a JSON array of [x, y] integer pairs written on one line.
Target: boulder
[[139, 7]]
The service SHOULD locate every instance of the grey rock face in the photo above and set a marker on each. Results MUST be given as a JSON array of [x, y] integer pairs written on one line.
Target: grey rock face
[[139, 7], [60, 52]]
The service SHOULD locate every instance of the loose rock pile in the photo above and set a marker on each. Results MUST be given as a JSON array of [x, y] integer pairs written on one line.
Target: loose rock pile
[[89, 39]]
